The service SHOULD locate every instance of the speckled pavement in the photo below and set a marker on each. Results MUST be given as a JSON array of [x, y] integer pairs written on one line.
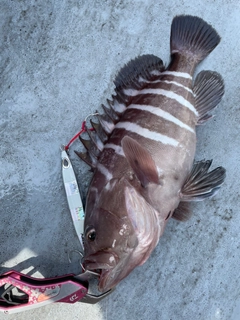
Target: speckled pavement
[[58, 60]]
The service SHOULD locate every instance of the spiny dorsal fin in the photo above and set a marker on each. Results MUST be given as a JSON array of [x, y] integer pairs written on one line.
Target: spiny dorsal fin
[[87, 158], [95, 139], [182, 212], [208, 90], [121, 97], [106, 123], [90, 147], [132, 75], [140, 67], [110, 113], [193, 37], [117, 106], [202, 184], [141, 161], [113, 113], [99, 130]]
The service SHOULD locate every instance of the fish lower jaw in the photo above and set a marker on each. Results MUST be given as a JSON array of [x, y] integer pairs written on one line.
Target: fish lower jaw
[[104, 284], [105, 263], [104, 276], [103, 272]]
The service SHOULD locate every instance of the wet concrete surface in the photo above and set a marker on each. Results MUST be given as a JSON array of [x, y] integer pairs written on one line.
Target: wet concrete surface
[[58, 63]]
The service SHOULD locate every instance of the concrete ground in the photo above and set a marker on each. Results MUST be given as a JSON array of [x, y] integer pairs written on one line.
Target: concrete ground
[[58, 62]]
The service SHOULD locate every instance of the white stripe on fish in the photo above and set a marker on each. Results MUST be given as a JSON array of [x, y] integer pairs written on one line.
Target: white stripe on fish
[[177, 74], [172, 73], [152, 135], [118, 149], [119, 107], [165, 93], [104, 171], [163, 114], [99, 144], [166, 81]]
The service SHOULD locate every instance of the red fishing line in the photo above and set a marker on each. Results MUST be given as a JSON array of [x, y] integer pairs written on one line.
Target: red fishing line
[[83, 129]]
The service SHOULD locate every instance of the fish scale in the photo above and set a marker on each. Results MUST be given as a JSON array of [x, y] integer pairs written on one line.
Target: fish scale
[[142, 152]]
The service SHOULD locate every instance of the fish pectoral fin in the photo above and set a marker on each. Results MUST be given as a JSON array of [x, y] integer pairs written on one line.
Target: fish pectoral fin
[[140, 161], [208, 90], [144, 221], [202, 184], [182, 212]]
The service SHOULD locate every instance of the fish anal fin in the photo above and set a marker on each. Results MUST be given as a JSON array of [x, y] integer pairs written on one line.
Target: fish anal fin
[[208, 90], [202, 184], [182, 212], [140, 161]]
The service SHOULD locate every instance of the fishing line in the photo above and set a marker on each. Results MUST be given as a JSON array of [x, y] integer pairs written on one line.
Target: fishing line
[[83, 129]]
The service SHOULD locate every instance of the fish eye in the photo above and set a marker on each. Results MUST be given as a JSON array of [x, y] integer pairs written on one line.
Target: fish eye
[[91, 234]]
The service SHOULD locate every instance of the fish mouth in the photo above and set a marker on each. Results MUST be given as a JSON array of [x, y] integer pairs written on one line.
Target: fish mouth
[[104, 263]]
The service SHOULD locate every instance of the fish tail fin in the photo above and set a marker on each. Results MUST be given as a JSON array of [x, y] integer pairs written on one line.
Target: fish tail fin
[[192, 37]]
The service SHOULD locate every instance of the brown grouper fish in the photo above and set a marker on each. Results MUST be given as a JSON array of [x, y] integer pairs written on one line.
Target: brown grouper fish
[[142, 152]]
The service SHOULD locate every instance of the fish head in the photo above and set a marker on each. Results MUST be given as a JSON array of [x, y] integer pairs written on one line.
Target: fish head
[[120, 232], [110, 239], [109, 244]]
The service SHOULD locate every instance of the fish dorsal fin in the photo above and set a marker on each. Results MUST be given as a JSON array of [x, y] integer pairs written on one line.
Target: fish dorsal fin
[[95, 139], [202, 184], [99, 131], [106, 123], [208, 90], [137, 70], [87, 158], [134, 75], [90, 147], [140, 161], [110, 112]]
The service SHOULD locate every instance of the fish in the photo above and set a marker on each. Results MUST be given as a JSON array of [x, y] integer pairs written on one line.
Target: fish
[[142, 152]]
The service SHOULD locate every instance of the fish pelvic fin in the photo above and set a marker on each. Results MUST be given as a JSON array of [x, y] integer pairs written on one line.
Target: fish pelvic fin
[[140, 161], [208, 90], [182, 212], [192, 36], [202, 184]]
